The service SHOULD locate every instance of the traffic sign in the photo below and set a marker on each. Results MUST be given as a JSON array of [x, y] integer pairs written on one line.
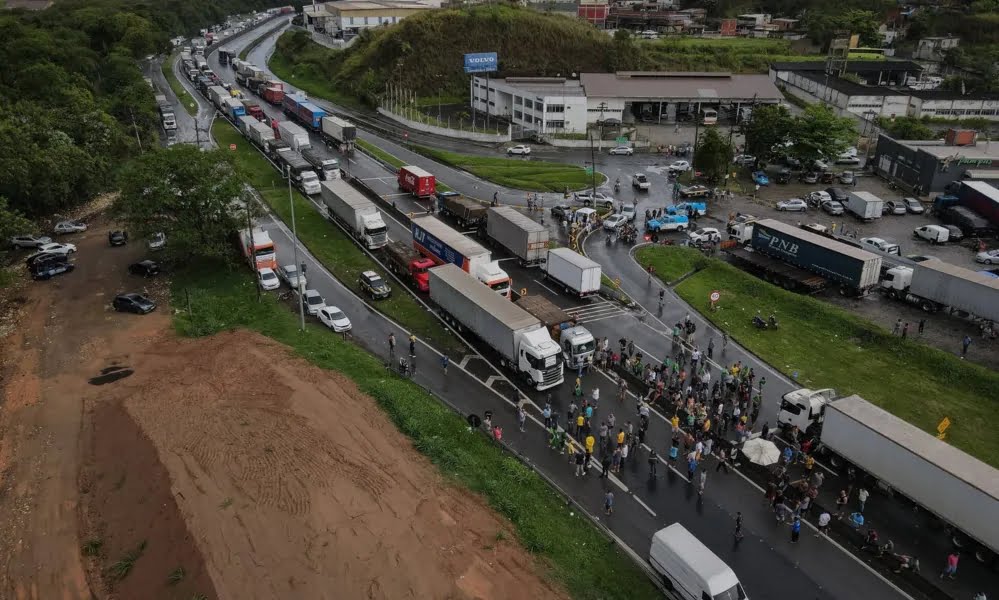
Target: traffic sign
[[715, 296], [621, 140], [232, 147], [589, 170]]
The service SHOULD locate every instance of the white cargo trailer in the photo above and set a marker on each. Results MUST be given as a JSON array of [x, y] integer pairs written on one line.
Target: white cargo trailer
[[349, 207], [576, 274], [864, 205], [520, 339], [524, 237], [259, 133], [296, 137]]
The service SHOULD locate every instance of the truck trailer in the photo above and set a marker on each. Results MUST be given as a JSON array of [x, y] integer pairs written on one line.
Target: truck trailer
[[233, 108], [576, 341], [864, 205], [856, 271], [337, 130], [417, 181], [300, 171], [521, 235], [467, 212], [259, 133], [408, 264], [438, 242], [960, 490], [934, 285], [310, 115], [981, 198], [297, 138], [519, 338], [578, 275], [326, 168], [355, 212]]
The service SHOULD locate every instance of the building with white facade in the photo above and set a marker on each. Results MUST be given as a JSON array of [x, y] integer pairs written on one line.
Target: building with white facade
[[349, 17], [552, 105]]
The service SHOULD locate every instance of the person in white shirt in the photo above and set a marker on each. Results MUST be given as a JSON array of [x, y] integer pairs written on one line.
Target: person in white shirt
[[824, 520]]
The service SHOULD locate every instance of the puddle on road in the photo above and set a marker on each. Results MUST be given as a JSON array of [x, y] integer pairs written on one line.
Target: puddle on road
[[110, 375]]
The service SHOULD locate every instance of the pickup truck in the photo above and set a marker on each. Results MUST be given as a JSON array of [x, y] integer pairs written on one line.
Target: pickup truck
[[668, 223], [699, 208]]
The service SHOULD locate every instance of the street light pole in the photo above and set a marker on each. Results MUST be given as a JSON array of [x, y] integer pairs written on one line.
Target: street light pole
[[294, 232]]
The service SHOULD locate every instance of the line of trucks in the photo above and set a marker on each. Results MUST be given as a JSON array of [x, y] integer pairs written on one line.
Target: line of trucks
[[800, 260], [956, 488], [167, 116]]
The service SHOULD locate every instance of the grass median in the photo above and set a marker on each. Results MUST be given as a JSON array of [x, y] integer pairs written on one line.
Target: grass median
[[183, 96], [570, 549], [391, 159], [516, 173], [329, 244], [819, 345]]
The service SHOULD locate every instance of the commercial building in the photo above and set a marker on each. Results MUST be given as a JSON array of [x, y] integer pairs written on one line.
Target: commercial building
[[933, 165], [349, 17], [881, 93], [558, 105]]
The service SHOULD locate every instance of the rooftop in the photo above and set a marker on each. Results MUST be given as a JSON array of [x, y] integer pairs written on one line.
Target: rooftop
[[376, 5], [856, 89], [655, 85], [552, 86], [940, 149], [852, 66]]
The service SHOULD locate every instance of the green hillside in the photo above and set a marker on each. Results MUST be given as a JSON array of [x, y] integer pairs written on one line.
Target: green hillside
[[424, 52]]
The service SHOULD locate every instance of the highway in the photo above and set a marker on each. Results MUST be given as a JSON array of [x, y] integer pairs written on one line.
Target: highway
[[768, 565]]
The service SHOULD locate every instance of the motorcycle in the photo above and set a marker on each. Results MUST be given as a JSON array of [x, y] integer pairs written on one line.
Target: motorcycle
[[758, 322]]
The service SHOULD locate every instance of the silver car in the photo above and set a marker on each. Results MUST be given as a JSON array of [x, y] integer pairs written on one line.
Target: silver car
[[832, 207], [794, 204], [291, 276], [624, 150]]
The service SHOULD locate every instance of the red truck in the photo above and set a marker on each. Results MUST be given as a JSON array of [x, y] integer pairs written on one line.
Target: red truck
[[417, 182], [273, 92], [408, 264], [253, 109]]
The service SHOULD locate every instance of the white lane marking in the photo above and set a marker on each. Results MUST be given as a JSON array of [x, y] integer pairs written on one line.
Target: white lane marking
[[643, 505], [545, 286]]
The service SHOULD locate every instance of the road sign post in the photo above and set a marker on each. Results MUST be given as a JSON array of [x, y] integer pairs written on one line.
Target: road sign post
[[714, 298]]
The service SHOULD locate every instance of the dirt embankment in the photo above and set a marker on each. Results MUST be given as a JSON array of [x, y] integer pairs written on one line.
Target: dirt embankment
[[139, 465]]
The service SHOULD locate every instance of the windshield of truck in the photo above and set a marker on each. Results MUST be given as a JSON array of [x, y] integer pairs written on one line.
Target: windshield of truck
[[502, 286], [376, 230], [539, 363], [735, 593], [264, 251], [309, 176], [586, 347]]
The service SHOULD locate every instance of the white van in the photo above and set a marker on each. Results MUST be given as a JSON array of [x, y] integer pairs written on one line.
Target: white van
[[935, 234], [689, 570]]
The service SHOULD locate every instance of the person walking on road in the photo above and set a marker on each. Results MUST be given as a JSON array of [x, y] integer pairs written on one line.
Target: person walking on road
[[391, 345], [521, 417], [580, 462], [862, 498], [445, 361], [824, 520], [703, 480], [609, 503], [711, 348], [605, 465], [922, 325], [738, 527], [795, 530], [547, 414], [590, 441], [841, 502], [897, 328], [653, 463], [964, 346], [412, 346], [722, 460], [951, 569]]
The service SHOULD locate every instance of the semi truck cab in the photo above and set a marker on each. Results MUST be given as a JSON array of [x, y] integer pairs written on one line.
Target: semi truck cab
[[804, 408], [375, 232], [496, 278], [540, 359], [309, 182], [578, 345]]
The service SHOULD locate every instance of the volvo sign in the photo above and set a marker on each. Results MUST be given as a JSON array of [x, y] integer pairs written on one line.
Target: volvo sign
[[481, 62]]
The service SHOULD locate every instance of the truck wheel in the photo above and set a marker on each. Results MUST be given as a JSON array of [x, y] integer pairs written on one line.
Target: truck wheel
[[926, 306]]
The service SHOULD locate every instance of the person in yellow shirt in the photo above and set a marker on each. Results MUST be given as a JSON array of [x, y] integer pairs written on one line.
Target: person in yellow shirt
[[675, 422], [570, 447], [620, 437], [580, 421], [707, 426], [590, 442]]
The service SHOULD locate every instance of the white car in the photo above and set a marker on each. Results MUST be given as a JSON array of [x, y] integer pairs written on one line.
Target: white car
[[29, 241], [268, 279], [679, 166], [54, 248], [157, 241], [334, 318], [704, 234], [628, 211], [882, 245], [521, 149], [313, 301], [63, 227], [988, 257], [640, 182], [291, 276], [817, 198], [746, 160], [794, 204], [624, 150], [612, 222], [588, 198]]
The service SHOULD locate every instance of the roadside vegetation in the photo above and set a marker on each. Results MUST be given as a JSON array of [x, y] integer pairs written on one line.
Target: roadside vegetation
[[569, 549], [391, 159], [328, 243], [819, 345], [516, 173], [179, 90]]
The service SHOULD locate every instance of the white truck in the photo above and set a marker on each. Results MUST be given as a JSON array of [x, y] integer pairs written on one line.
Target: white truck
[[577, 343], [960, 490], [296, 137], [326, 168], [864, 205], [349, 207], [521, 235], [169, 121], [934, 285], [218, 95], [244, 123], [578, 275], [519, 338], [337, 130], [259, 133]]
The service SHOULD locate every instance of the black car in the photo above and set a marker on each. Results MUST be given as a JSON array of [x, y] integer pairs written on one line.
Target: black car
[[838, 194], [145, 268], [373, 285], [783, 175], [46, 266], [133, 303], [117, 238], [561, 210]]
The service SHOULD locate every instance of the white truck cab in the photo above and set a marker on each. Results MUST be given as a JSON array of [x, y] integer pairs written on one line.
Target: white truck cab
[[741, 232], [495, 277], [310, 183], [539, 358], [578, 345], [804, 408]]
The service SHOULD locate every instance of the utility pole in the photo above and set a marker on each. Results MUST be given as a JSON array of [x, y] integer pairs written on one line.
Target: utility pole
[[593, 169], [301, 274]]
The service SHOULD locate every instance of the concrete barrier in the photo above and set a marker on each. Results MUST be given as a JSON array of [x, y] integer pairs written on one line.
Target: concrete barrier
[[475, 136]]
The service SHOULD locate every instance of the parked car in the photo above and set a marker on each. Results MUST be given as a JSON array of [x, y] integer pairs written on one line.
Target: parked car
[[913, 206], [847, 178], [133, 303], [833, 208], [519, 149], [783, 175], [629, 211], [614, 221], [794, 204], [117, 238], [268, 279], [64, 227], [988, 257], [838, 194], [157, 241], [704, 234], [760, 178], [624, 150], [29, 241], [312, 300], [934, 234], [668, 223], [56, 248], [291, 275], [809, 177], [893, 207], [745, 160], [955, 232], [679, 166], [695, 191], [882, 245], [588, 198], [816, 228], [144, 268], [334, 318], [640, 182], [46, 266], [561, 210], [817, 198], [373, 285]]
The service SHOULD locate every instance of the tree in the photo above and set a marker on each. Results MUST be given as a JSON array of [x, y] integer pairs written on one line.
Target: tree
[[819, 133], [188, 195], [713, 155], [12, 222], [907, 128], [767, 131]]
